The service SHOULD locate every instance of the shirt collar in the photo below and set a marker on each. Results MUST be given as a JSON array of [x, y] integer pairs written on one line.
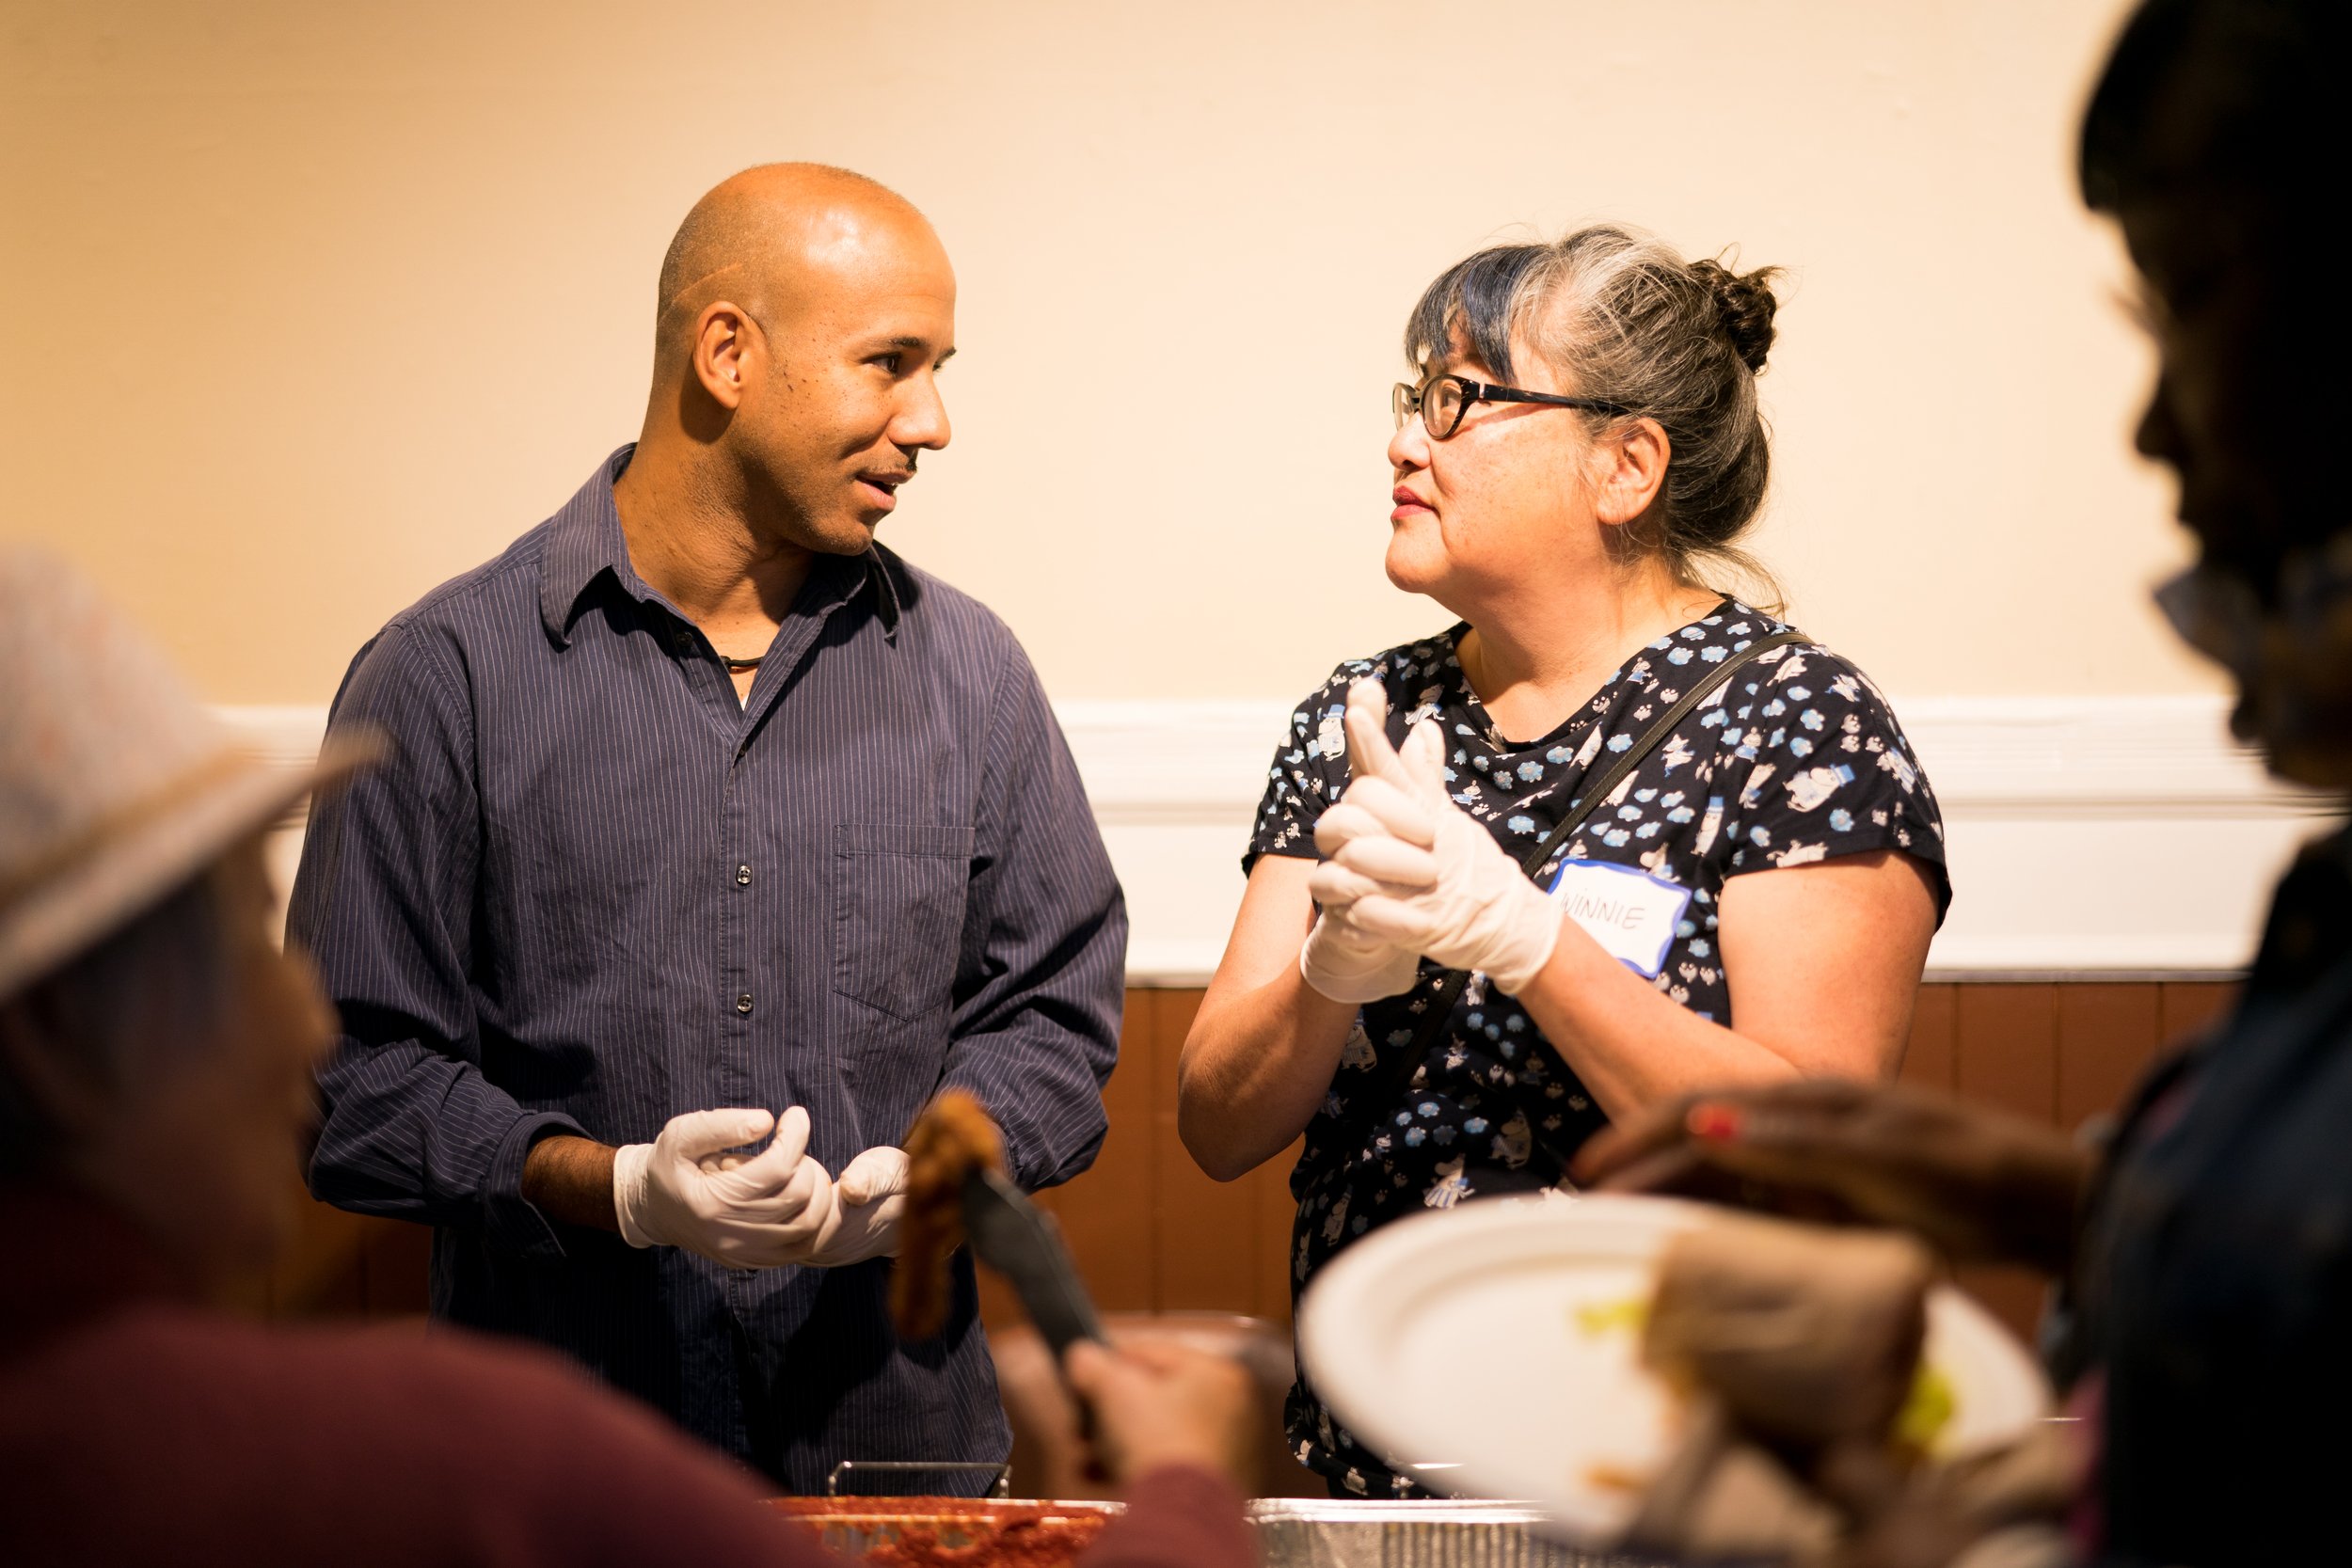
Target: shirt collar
[[584, 542], [879, 573]]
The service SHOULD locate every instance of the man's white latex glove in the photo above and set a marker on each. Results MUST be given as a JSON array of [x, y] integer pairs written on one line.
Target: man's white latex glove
[[869, 1196], [1341, 958], [1424, 873], [684, 1190]]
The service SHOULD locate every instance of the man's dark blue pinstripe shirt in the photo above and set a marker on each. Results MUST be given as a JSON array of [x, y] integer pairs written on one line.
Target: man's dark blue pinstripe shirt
[[593, 891]]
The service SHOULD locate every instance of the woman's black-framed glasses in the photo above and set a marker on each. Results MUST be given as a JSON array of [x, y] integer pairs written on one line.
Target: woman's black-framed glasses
[[1442, 401]]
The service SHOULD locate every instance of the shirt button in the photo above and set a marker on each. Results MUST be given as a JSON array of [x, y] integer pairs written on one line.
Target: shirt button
[[743, 1003], [742, 876], [682, 641]]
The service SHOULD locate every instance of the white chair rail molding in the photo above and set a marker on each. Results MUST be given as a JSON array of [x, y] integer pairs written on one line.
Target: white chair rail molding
[[2093, 837]]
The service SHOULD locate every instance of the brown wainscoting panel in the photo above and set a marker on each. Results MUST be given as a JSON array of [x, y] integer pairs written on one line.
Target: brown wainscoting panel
[[1208, 1239], [2005, 1048], [2107, 1035], [2191, 1006], [1928, 1053], [1101, 1211], [1153, 1233], [1276, 1210]]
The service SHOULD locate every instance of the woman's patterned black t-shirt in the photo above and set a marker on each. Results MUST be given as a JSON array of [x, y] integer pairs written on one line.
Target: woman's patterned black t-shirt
[[1797, 758]]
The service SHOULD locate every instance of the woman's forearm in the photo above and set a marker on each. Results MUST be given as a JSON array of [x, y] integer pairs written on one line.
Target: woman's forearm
[[1255, 1069], [1823, 965], [1263, 1050], [1631, 1045]]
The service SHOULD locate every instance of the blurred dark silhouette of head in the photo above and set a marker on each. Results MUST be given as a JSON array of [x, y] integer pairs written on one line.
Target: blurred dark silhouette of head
[[2214, 140]]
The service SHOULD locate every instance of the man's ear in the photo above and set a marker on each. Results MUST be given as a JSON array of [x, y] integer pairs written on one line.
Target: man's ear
[[726, 336], [64, 1093], [1632, 463]]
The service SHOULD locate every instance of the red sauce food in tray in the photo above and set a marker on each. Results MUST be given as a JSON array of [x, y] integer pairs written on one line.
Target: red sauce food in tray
[[952, 1532]]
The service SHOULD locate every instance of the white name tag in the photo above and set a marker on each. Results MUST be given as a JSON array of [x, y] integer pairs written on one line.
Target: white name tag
[[1630, 913]]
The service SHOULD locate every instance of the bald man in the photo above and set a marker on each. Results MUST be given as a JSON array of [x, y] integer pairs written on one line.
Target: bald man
[[718, 840]]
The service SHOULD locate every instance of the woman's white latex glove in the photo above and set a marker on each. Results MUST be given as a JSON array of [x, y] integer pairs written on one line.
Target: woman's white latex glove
[[1423, 873], [1341, 959], [869, 1196], [685, 1189]]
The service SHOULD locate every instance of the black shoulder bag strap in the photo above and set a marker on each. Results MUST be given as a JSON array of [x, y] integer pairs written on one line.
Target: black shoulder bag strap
[[1595, 791]]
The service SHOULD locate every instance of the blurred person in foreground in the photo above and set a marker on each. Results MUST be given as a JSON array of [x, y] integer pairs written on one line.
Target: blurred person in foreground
[[2205, 1255], [156, 1048]]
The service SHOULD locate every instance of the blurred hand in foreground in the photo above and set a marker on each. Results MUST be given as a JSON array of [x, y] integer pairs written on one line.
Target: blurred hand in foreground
[[1996, 1508], [1978, 1185], [1152, 1404]]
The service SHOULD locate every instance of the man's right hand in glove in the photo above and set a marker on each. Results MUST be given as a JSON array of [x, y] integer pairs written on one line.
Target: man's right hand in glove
[[756, 1212]]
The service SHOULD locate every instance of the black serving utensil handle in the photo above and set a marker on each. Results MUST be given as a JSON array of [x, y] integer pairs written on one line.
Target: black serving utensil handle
[[1017, 1239]]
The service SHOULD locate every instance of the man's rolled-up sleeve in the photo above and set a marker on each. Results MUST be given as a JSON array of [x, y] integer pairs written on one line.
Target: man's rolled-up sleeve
[[384, 902], [1041, 974]]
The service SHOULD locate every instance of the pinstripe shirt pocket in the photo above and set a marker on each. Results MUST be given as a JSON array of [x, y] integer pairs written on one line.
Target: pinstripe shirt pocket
[[898, 913]]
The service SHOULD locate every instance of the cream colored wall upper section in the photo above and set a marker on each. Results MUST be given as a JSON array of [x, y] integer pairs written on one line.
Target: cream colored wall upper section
[[308, 306]]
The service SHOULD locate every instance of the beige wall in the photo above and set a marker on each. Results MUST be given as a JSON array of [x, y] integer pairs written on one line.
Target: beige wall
[[307, 307]]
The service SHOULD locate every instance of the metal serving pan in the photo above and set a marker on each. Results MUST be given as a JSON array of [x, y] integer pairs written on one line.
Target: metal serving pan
[[1292, 1533], [1440, 1533]]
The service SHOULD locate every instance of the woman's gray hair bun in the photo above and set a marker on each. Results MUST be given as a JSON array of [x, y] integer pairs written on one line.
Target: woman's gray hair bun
[[1746, 302]]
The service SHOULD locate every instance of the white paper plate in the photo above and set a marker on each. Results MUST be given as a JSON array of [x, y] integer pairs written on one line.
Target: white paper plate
[[1452, 1343]]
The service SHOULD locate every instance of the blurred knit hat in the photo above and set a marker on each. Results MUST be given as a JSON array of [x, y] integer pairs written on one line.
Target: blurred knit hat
[[116, 788]]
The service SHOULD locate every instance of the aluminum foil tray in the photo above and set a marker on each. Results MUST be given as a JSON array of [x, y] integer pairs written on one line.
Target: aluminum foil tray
[[1292, 1533], [1442, 1533]]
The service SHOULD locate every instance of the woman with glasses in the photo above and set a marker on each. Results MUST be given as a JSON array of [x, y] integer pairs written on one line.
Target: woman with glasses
[[1550, 866]]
